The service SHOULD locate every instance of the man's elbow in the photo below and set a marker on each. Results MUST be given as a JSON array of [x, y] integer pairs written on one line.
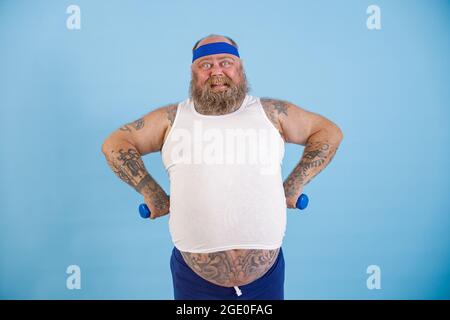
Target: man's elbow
[[114, 141], [334, 132], [106, 146], [339, 134]]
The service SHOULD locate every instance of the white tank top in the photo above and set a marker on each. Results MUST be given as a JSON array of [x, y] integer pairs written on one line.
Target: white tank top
[[226, 187]]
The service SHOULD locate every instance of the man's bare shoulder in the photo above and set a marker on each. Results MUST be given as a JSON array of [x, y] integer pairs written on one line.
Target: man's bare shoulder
[[165, 114], [275, 109], [170, 111], [274, 105]]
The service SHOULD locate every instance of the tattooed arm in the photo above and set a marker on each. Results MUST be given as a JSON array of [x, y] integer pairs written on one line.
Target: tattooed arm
[[320, 136], [123, 150]]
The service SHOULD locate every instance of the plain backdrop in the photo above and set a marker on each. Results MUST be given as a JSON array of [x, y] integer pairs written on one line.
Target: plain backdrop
[[382, 201]]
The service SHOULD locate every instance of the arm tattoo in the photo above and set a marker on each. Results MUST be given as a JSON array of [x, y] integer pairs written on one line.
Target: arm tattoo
[[316, 156], [171, 113], [231, 267], [136, 125], [128, 166], [274, 109]]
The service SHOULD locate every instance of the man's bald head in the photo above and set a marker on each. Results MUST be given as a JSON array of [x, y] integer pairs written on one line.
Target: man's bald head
[[214, 38]]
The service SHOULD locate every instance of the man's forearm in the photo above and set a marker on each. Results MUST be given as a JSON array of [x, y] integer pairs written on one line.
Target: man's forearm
[[127, 164], [319, 151]]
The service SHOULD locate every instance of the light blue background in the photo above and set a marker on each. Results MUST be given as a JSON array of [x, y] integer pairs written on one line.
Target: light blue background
[[383, 200]]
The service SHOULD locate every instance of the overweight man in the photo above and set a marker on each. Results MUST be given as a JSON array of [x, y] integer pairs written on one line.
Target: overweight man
[[222, 149]]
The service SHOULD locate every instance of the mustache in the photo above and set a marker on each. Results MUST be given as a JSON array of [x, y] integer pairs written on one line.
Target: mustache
[[219, 81]]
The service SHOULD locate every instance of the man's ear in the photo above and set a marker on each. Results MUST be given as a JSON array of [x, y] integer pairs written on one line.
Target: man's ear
[[241, 61]]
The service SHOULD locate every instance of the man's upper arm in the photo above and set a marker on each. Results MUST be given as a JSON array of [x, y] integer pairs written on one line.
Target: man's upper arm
[[147, 133], [298, 124]]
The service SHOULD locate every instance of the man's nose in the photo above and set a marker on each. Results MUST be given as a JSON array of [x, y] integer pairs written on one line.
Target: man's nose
[[216, 70]]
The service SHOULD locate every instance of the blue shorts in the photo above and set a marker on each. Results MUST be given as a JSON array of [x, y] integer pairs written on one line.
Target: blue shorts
[[187, 285]]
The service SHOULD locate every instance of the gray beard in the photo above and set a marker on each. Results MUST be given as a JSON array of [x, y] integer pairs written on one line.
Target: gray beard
[[211, 102]]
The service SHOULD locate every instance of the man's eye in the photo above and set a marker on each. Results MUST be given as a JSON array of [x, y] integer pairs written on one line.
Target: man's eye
[[226, 63], [206, 65]]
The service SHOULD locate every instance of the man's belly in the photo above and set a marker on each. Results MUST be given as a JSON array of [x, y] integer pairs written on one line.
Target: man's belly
[[230, 268]]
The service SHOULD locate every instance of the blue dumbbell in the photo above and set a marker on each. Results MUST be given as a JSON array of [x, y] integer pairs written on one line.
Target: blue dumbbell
[[144, 211], [302, 203]]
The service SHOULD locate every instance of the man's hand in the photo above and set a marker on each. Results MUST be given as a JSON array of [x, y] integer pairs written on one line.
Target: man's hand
[[291, 200], [158, 204]]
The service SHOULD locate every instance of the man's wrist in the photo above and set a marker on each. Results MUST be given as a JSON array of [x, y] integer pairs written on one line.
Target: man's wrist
[[292, 189]]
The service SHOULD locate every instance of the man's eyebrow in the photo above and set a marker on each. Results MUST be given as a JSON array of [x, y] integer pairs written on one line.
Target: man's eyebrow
[[220, 58]]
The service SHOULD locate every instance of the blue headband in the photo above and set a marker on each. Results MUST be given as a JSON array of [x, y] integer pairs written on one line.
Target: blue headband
[[214, 48]]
